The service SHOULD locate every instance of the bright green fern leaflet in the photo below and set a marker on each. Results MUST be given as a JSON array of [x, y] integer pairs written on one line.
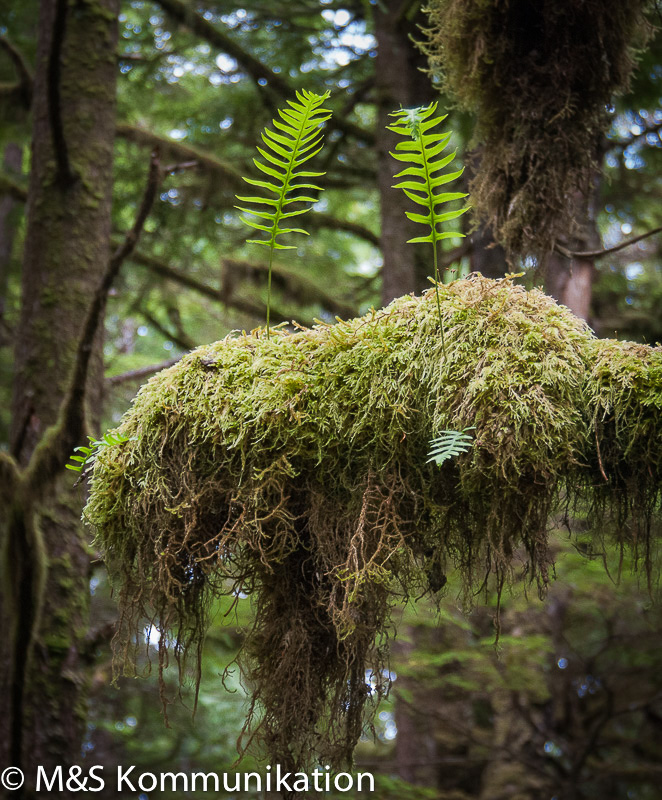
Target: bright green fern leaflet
[[424, 177], [450, 444], [295, 140], [83, 457]]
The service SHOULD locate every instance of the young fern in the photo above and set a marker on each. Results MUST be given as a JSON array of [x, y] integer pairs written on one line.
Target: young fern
[[83, 457], [295, 141], [419, 150], [450, 444]]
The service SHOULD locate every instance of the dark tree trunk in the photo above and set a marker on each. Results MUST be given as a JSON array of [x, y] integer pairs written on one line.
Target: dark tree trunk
[[66, 252], [399, 83]]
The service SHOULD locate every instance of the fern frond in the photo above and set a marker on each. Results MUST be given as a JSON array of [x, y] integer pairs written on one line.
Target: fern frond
[[295, 139], [450, 444], [83, 457], [424, 177]]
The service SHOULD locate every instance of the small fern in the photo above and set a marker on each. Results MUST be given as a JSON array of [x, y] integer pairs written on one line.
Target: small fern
[[83, 457], [450, 444], [420, 151], [295, 141]]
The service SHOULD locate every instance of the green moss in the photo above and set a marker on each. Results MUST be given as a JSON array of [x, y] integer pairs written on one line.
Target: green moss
[[295, 469]]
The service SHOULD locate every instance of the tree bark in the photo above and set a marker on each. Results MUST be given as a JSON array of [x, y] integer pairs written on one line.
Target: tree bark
[[399, 82], [66, 252]]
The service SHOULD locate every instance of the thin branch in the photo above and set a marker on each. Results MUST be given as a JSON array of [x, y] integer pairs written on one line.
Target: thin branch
[[595, 254], [185, 15], [447, 260], [174, 169], [182, 341], [242, 305], [64, 173], [319, 219], [139, 373], [154, 176], [301, 288], [25, 80]]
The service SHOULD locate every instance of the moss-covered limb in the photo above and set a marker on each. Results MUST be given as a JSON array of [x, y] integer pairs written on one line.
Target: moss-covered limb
[[132, 133], [13, 189], [295, 469], [296, 285], [9, 478], [241, 304], [539, 78]]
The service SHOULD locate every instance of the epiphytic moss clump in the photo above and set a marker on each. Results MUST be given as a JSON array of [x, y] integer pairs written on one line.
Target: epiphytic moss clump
[[539, 77], [294, 469]]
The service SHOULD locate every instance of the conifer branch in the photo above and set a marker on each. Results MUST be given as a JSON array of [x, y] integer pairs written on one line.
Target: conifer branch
[[186, 153], [139, 373], [257, 70]]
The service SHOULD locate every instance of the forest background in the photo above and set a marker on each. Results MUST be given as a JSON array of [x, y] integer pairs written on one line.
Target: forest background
[[571, 704]]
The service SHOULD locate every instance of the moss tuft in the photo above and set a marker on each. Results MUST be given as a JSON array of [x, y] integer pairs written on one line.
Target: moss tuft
[[294, 469], [539, 76]]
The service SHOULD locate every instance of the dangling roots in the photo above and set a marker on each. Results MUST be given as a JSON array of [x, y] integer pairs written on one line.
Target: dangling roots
[[294, 470]]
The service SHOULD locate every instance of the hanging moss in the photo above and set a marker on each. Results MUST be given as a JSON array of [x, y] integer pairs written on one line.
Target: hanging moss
[[294, 469], [539, 76]]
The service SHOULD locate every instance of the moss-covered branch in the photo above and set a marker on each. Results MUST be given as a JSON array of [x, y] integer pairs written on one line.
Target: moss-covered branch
[[295, 469], [243, 305], [594, 254]]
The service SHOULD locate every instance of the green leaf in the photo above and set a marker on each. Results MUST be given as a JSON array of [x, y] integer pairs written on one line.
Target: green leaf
[[450, 444], [85, 462], [421, 146], [294, 139]]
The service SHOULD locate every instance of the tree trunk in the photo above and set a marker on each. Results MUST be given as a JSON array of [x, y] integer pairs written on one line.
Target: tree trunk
[[399, 83], [66, 252], [570, 281]]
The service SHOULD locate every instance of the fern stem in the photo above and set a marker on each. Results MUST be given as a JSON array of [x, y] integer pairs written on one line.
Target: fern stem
[[436, 290], [428, 180], [271, 259]]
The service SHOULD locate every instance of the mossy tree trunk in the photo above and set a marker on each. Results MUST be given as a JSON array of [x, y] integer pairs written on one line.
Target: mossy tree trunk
[[66, 253]]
